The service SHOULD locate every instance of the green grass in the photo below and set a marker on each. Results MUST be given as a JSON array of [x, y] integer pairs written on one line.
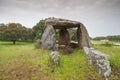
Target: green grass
[[95, 42], [114, 55], [8, 43], [24, 62]]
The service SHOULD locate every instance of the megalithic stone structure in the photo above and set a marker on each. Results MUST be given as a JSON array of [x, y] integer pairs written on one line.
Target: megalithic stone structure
[[48, 38], [95, 58]]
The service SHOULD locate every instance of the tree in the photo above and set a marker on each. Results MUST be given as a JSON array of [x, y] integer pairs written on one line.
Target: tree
[[111, 38], [38, 29], [2, 29], [29, 36], [14, 32], [73, 34], [114, 38], [99, 38]]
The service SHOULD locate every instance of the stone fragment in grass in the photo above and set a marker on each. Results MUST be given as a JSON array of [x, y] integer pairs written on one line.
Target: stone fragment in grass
[[55, 57]]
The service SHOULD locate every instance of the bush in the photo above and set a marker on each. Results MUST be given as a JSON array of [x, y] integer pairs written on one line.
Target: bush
[[108, 44], [38, 44]]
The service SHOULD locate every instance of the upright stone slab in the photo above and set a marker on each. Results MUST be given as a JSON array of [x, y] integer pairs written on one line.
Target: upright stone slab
[[48, 39], [64, 37], [83, 37]]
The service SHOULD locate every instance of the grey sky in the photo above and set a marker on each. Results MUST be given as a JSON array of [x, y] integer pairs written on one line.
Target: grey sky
[[101, 17]]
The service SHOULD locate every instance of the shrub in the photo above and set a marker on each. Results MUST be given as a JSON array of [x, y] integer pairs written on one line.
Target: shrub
[[107, 44], [38, 44]]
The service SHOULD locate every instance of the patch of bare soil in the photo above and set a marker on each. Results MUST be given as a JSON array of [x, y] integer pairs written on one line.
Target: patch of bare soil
[[117, 73], [17, 71], [68, 49]]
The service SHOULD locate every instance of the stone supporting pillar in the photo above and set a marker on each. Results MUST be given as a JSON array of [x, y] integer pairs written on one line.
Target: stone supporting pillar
[[83, 37], [64, 37], [48, 39], [79, 37]]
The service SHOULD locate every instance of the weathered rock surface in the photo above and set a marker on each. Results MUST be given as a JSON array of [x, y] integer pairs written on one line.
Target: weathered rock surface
[[59, 23], [84, 40], [48, 39], [63, 24], [64, 39], [55, 57], [99, 60]]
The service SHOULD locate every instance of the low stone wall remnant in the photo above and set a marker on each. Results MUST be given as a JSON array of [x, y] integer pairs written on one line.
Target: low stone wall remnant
[[99, 60]]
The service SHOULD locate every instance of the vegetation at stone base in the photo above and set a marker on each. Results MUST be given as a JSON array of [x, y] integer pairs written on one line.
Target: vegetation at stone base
[[73, 34], [37, 44], [114, 54], [15, 32], [23, 62]]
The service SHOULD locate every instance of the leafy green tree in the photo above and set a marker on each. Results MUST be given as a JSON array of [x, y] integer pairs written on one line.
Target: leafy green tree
[[38, 29], [2, 29], [73, 34], [14, 32], [29, 36]]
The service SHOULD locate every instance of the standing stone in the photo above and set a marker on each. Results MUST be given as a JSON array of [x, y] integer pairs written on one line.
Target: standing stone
[[55, 57], [48, 39], [83, 37], [64, 37]]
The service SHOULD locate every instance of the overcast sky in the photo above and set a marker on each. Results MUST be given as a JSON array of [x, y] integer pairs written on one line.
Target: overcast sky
[[101, 17]]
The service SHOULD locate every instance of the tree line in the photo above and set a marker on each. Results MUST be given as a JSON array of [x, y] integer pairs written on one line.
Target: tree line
[[15, 32], [111, 38]]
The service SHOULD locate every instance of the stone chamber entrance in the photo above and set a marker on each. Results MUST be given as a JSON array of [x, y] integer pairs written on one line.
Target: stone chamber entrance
[[67, 40], [64, 42]]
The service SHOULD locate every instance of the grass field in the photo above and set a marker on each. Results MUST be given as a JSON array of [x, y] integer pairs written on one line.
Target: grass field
[[23, 62], [114, 55]]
